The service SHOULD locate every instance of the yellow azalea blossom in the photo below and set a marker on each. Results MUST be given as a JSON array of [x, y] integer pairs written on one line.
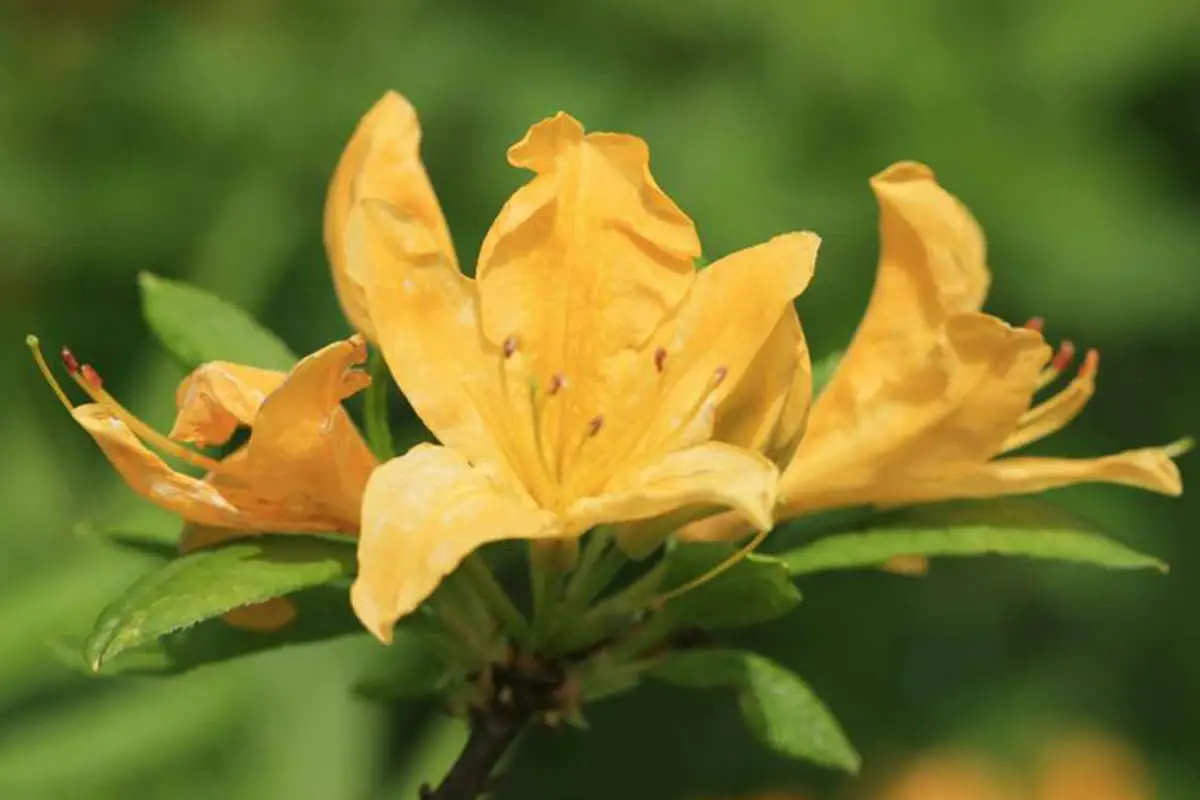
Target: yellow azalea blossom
[[302, 469], [580, 378], [932, 392]]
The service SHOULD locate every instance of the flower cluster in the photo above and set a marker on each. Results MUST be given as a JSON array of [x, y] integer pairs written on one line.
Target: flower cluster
[[589, 374]]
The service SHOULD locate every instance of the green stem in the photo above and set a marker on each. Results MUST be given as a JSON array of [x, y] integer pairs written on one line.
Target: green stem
[[545, 586], [650, 633], [375, 409], [633, 597], [493, 595], [598, 566]]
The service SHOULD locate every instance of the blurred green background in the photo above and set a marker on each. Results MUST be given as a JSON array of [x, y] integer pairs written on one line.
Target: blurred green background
[[195, 140]]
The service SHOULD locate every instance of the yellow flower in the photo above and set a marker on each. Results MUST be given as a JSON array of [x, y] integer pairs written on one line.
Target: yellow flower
[[576, 379], [932, 392]]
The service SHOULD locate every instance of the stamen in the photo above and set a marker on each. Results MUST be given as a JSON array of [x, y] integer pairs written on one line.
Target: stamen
[[69, 360], [1060, 361], [558, 382], [595, 425], [89, 380], [719, 376], [660, 359], [34, 346], [510, 346], [728, 563], [1036, 324]]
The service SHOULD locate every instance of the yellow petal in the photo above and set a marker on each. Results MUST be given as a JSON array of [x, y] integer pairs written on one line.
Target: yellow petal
[[426, 317], [382, 160], [1150, 468], [707, 475], [305, 465], [949, 412], [719, 331], [931, 266], [1092, 767], [265, 617], [218, 397], [581, 264], [423, 513], [148, 475], [768, 408]]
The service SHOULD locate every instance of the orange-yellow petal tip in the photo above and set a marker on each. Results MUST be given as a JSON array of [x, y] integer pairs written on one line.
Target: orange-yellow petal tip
[[903, 171], [544, 141], [370, 614]]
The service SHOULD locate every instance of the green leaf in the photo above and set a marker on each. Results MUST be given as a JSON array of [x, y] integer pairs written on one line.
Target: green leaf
[[323, 613], [196, 326], [209, 583], [780, 708], [1012, 527], [822, 370], [755, 589]]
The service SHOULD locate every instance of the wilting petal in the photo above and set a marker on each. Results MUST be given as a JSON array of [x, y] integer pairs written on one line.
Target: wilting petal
[[931, 266], [707, 475], [427, 319], [148, 475], [1150, 468], [951, 412], [423, 513], [581, 265], [722, 325], [218, 397], [383, 161], [768, 408], [305, 465]]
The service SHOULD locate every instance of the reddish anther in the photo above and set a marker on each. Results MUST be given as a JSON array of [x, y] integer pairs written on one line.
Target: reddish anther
[[69, 361], [557, 382], [91, 376], [510, 346], [719, 376], [1066, 352], [1036, 324]]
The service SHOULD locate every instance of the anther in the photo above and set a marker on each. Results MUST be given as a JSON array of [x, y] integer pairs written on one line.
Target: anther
[[510, 346], [660, 358], [69, 361], [1036, 324], [89, 374], [719, 376], [1066, 352], [558, 382], [594, 426]]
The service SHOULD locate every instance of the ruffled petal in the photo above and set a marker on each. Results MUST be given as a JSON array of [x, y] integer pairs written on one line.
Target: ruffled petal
[[719, 331], [423, 513], [1149, 468], [931, 266], [148, 475], [305, 465], [709, 475], [426, 317], [580, 267], [949, 413], [383, 161], [218, 397], [768, 408]]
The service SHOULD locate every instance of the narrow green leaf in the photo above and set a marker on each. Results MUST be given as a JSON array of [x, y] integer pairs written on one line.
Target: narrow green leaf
[[872, 548], [755, 589], [780, 708], [196, 326], [209, 583]]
